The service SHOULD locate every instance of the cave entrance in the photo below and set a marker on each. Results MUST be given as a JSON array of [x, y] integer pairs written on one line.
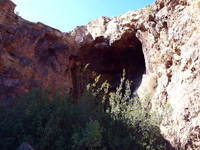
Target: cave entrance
[[109, 61]]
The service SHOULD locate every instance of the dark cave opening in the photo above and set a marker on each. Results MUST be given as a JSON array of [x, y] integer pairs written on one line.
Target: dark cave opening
[[110, 61]]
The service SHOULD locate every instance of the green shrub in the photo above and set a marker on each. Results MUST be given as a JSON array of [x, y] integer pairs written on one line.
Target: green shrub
[[88, 138], [137, 115], [49, 119]]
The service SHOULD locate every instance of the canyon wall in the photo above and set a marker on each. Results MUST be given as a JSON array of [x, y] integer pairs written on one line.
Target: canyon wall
[[31, 54], [171, 48], [157, 45]]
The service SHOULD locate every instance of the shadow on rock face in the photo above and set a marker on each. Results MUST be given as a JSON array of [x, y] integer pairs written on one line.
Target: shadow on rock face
[[110, 61]]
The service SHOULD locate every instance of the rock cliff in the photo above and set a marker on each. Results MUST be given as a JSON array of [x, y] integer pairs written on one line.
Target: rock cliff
[[31, 54], [157, 45]]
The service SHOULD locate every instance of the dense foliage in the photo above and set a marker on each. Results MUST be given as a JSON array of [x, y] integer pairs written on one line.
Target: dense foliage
[[56, 121]]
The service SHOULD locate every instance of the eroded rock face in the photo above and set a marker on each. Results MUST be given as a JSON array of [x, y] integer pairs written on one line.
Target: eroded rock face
[[158, 45], [173, 56], [31, 54]]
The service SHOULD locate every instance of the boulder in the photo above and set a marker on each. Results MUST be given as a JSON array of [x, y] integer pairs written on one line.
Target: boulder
[[25, 146]]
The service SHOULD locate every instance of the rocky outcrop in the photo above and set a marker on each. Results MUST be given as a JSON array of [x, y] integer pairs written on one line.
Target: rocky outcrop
[[31, 54], [172, 54], [169, 34], [157, 45]]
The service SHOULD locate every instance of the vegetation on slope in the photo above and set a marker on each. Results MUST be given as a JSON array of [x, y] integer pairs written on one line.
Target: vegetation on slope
[[97, 119]]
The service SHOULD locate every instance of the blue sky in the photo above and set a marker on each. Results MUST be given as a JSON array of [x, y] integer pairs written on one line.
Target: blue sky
[[67, 14]]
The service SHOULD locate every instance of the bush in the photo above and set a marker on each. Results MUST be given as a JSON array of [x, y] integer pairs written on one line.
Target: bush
[[88, 138], [137, 115], [53, 120]]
